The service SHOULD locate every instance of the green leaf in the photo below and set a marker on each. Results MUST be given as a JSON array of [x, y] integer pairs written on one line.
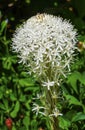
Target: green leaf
[[78, 117], [72, 79], [70, 114], [82, 80], [81, 38], [33, 88], [1, 95], [12, 97], [14, 128], [22, 98], [34, 127], [3, 26], [2, 106], [73, 100], [26, 82], [27, 104], [1, 118], [26, 122], [64, 123], [5, 101], [7, 61], [16, 109], [3, 127]]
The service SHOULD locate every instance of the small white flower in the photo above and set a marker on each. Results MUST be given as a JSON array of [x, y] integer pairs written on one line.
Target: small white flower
[[56, 96], [56, 113], [37, 109], [39, 96], [48, 84]]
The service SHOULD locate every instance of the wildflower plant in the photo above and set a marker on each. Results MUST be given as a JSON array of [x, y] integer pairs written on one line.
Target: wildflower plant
[[46, 45]]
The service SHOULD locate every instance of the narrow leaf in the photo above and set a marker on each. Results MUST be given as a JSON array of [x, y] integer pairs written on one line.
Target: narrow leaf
[[16, 109], [78, 117], [72, 100]]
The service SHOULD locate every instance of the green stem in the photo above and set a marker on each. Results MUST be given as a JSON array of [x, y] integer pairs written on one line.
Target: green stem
[[55, 123], [51, 103]]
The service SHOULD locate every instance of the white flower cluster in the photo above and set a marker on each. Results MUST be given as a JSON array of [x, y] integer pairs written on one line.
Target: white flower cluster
[[46, 44]]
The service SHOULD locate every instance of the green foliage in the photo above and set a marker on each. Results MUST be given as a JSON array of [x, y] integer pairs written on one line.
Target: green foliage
[[74, 105], [17, 88]]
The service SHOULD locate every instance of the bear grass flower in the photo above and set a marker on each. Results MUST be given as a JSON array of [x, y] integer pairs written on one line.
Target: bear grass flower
[[46, 45], [45, 42]]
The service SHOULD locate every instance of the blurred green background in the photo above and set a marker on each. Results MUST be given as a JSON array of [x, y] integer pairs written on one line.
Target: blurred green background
[[17, 88]]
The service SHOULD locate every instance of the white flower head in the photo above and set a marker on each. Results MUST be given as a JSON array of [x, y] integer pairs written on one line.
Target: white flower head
[[46, 43]]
